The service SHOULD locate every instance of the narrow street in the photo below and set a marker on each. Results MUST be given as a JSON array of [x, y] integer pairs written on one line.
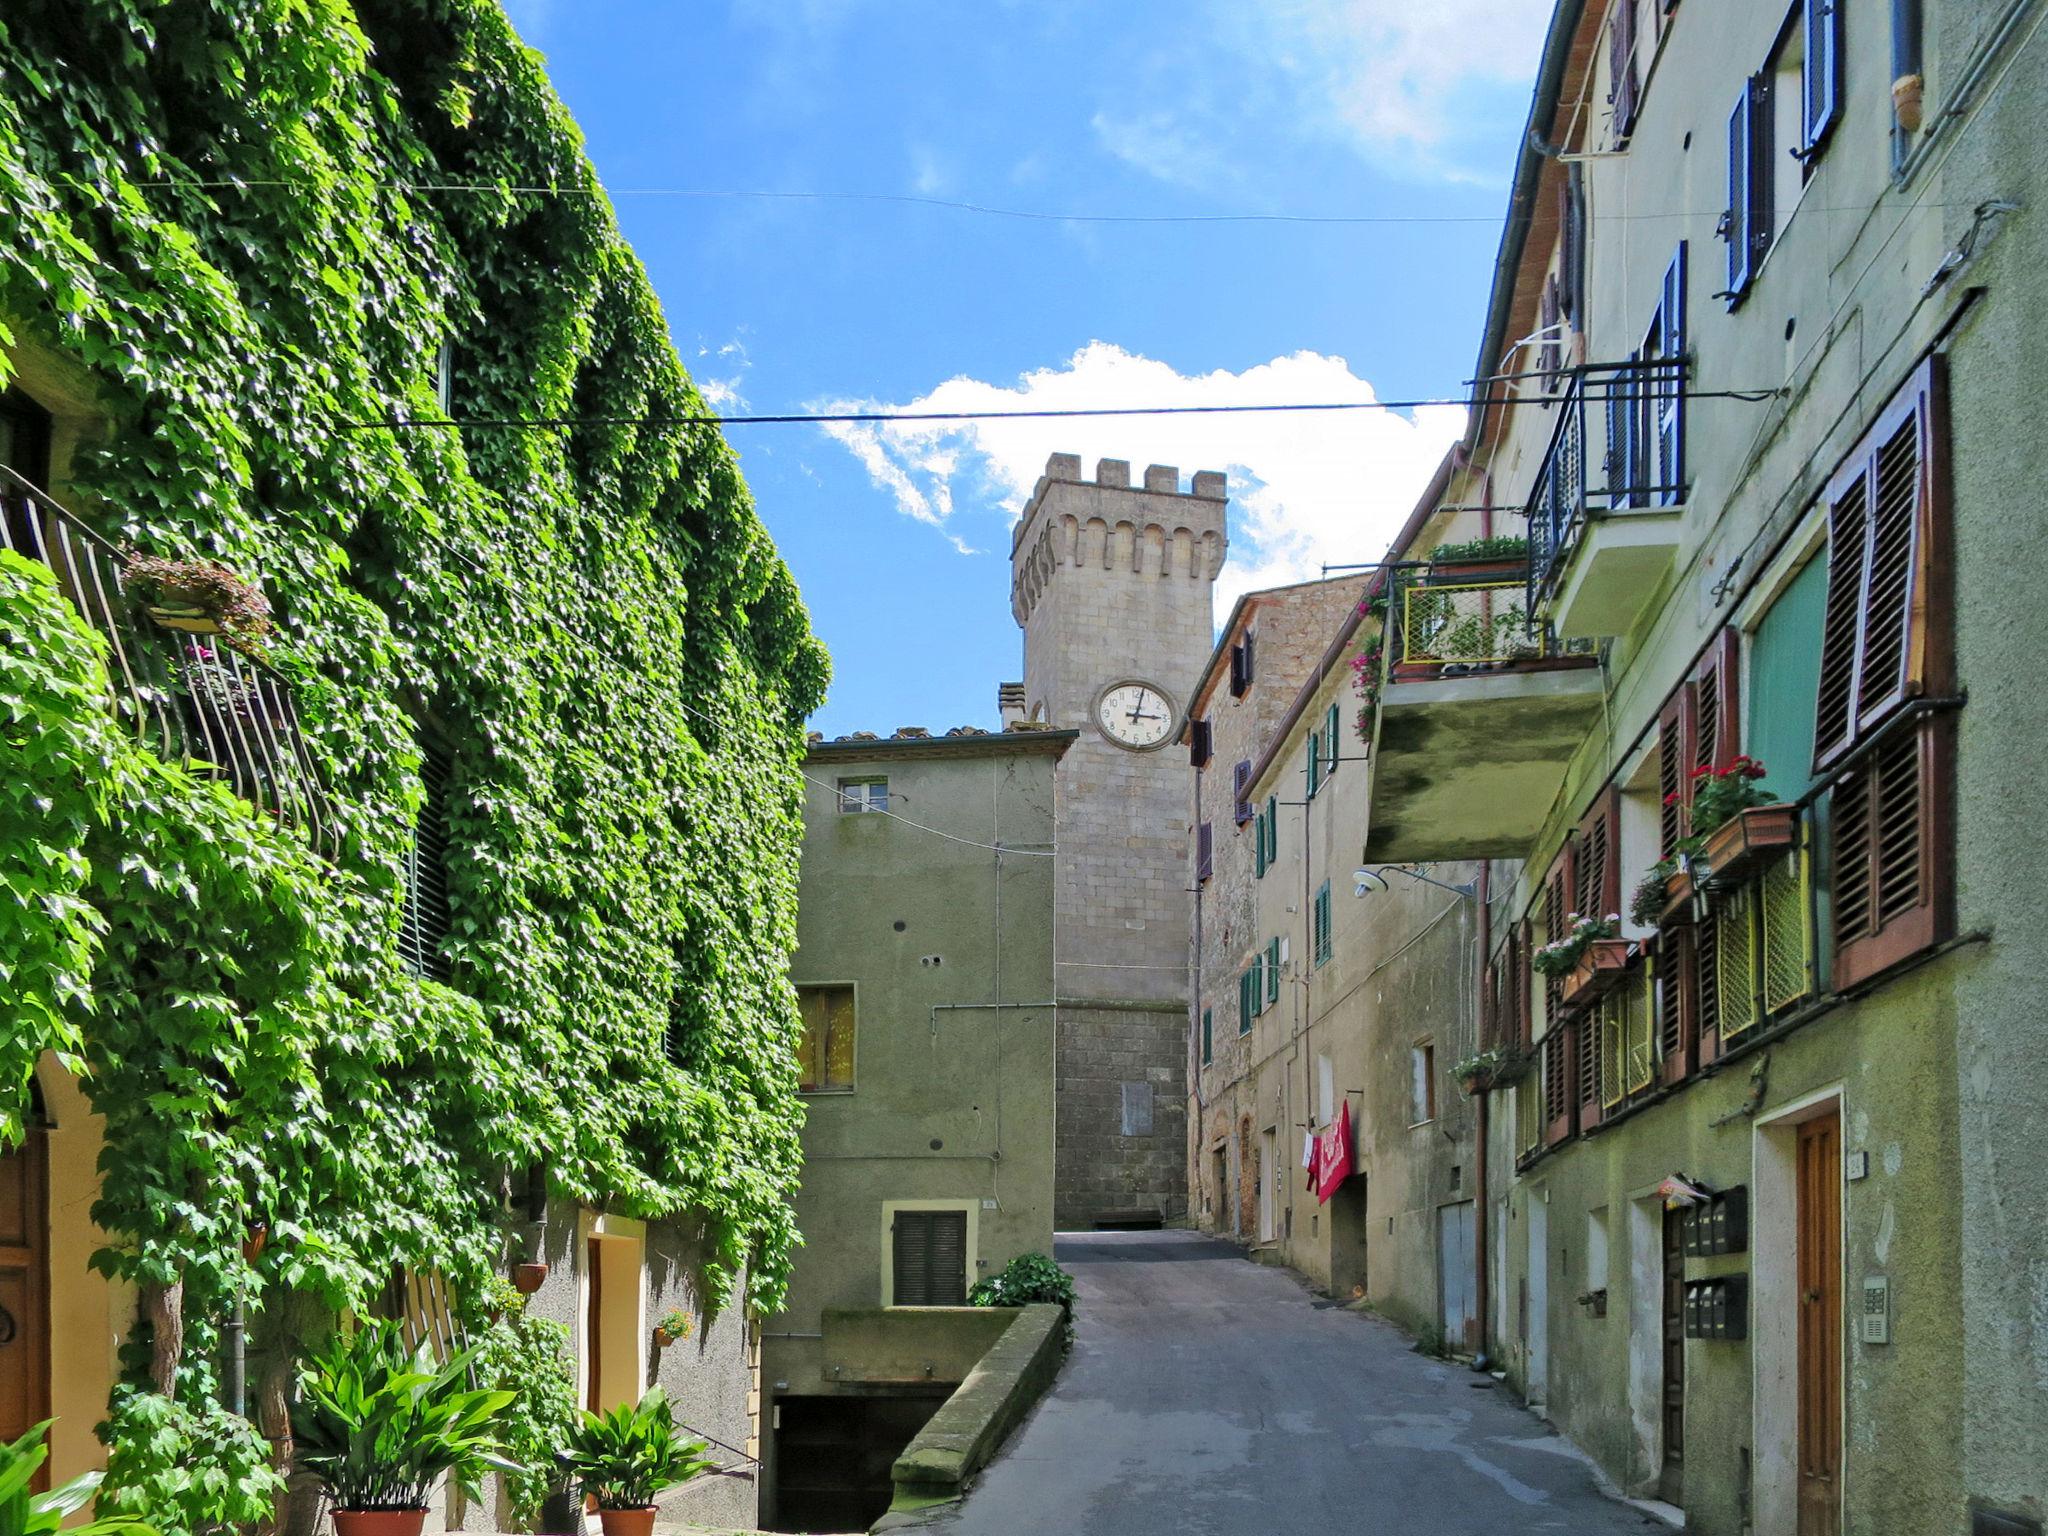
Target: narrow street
[[1209, 1394]]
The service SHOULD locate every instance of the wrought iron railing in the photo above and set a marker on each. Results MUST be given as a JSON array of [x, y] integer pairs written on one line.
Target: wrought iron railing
[[1618, 446], [189, 697]]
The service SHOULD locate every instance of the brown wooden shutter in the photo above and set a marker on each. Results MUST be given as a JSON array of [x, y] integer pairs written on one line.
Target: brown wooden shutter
[[1518, 986], [1550, 356], [1205, 851], [1558, 1061], [930, 1258], [1717, 702], [1556, 903], [1677, 1002], [1596, 868], [1885, 634], [1588, 1065], [1621, 64], [1200, 743], [1675, 726], [1891, 830], [1572, 221], [1702, 992]]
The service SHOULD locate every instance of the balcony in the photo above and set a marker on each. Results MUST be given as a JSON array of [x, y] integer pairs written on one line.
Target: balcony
[[1609, 501], [189, 698], [1478, 715]]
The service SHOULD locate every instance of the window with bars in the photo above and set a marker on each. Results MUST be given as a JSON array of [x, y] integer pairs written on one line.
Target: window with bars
[[423, 925], [1885, 645], [1761, 950], [1321, 924], [929, 1258], [825, 1051], [1624, 1023]]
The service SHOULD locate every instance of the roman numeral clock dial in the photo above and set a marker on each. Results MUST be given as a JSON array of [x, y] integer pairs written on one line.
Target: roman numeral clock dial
[[1135, 715]]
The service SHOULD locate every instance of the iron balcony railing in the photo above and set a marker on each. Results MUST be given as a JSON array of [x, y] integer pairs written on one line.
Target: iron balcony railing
[[1618, 446], [188, 697]]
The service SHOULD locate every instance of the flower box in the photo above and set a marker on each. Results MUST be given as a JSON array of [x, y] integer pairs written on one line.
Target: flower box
[[1597, 971], [1747, 840], [1678, 900]]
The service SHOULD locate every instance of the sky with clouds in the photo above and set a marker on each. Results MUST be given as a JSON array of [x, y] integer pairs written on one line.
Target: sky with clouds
[[853, 295]]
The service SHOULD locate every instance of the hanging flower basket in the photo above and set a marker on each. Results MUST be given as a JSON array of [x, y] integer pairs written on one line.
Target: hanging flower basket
[[1599, 968], [527, 1278], [1749, 839], [1501, 1067]]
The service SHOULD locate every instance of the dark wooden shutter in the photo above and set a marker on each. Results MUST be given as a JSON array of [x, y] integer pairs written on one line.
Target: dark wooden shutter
[[1668, 389], [1238, 674], [424, 923], [1333, 739], [1550, 354], [1205, 851], [1891, 833], [1201, 743], [1735, 222], [1675, 725], [1556, 903], [1559, 1060], [1677, 1024], [1763, 167], [931, 1258], [1572, 219], [1596, 864], [1717, 702], [1621, 66], [1587, 1079], [1624, 421], [1821, 72], [1240, 780], [1885, 625], [1519, 998]]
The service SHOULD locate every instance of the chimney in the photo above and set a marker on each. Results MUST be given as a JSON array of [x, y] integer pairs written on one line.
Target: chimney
[[1010, 702]]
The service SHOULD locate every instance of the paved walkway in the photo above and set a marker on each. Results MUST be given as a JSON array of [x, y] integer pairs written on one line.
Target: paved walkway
[[1207, 1394]]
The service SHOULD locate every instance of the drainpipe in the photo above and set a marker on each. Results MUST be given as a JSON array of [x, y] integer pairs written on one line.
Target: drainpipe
[[1479, 1225]]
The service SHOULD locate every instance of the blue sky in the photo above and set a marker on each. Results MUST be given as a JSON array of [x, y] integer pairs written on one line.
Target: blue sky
[[900, 538]]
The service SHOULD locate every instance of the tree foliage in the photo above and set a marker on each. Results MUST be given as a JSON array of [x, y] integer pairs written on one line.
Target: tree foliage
[[234, 217]]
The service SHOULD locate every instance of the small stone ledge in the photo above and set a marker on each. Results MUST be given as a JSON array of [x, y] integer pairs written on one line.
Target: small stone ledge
[[937, 1465]]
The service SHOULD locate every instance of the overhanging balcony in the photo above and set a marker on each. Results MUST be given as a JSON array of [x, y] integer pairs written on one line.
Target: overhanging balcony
[[1609, 501], [1478, 715], [189, 697]]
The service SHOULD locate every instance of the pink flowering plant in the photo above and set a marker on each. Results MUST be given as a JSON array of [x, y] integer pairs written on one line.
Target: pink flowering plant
[[201, 589], [1566, 950]]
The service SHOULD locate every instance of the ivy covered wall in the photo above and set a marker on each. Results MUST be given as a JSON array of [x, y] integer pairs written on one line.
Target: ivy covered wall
[[226, 213]]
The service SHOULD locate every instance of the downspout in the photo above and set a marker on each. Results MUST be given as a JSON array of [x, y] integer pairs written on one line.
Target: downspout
[[1482, 1301]]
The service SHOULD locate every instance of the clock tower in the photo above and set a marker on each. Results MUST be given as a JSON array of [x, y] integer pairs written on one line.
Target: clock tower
[[1112, 584]]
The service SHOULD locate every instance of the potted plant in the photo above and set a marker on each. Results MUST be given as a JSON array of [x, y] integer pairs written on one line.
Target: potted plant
[[1738, 823], [674, 1327], [527, 1278], [1589, 955], [1503, 557], [1497, 1067], [626, 1457], [380, 1424], [202, 597]]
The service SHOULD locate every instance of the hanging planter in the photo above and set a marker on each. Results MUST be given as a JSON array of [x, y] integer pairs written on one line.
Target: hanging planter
[[1597, 970], [527, 1278], [673, 1328], [1677, 911], [200, 597], [1749, 839]]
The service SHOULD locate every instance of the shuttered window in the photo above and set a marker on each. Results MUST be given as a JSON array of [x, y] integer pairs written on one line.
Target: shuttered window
[[1205, 851], [1624, 83], [1663, 439], [1675, 728], [1750, 221], [1259, 843], [1821, 73], [1596, 861], [1201, 743], [1208, 1036], [1315, 763], [1550, 351], [1240, 782], [1322, 924], [1333, 740], [424, 923], [1572, 267], [930, 1259], [1272, 971], [1559, 1064], [1884, 643]]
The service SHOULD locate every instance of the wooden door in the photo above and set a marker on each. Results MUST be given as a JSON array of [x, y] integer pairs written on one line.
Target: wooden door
[[24, 1298], [593, 1328], [1820, 1326], [1671, 1483]]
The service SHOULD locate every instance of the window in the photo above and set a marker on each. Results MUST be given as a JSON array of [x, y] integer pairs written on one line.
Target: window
[[1251, 993], [1208, 1036], [1242, 665], [1422, 1088], [1315, 762], [1821, 76], [860, 795], [1205, 852], [1747, 225], [1272, 830], [1884, 645], [25, 437], [1321, 924], [1571, 275], [1664, 349], [1333, 741], [1201, 743], [1259, 843], [1326, 1090], [1240, 787], [1624, 86], [423, 926], [929, 1258], [1272, 971], [825, 1055]]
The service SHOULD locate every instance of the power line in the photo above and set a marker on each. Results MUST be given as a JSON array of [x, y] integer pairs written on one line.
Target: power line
[[851, 418]]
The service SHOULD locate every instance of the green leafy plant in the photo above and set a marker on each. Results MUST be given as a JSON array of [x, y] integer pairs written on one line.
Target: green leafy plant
[[1561, 954], [23, 1513], [380, 1424], [1491, 1067], [191, 1470], [675, 1325], [1501, 547], [1030, 1277], [624, 1458], [529, 1357], [1646, 903]]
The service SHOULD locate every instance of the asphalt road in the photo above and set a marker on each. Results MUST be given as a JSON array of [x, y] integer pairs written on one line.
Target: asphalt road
[[1207, 1394]]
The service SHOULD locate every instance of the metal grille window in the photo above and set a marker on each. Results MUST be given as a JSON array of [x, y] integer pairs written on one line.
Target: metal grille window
[[929, 1258], [863, 795], [424, 924]]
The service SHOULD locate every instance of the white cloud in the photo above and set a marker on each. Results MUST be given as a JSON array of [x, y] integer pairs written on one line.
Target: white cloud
[[1306, 487], [1426, 90], [722, 394]]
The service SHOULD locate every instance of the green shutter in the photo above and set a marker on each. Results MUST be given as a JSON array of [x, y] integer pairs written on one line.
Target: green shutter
[[1259, 842], [1315, 763], [1273, 971], [1272, 829], [1332, 740], [1322, 924], [1784, 680], [1208, 1036]]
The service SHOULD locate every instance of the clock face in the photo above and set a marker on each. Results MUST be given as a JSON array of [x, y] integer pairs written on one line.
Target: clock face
[[1135, 715]]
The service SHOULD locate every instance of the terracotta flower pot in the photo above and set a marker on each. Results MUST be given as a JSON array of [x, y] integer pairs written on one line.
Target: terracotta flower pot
[[527, 1278], [1749, 839], [379, 1522], [627, 1522], [1677, 911], [1599, 968]]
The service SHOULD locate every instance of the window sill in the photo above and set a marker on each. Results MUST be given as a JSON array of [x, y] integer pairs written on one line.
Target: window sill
[[825, 1093]]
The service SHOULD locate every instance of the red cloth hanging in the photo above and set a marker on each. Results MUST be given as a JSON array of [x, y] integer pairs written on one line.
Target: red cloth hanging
[[1333, 1154]]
